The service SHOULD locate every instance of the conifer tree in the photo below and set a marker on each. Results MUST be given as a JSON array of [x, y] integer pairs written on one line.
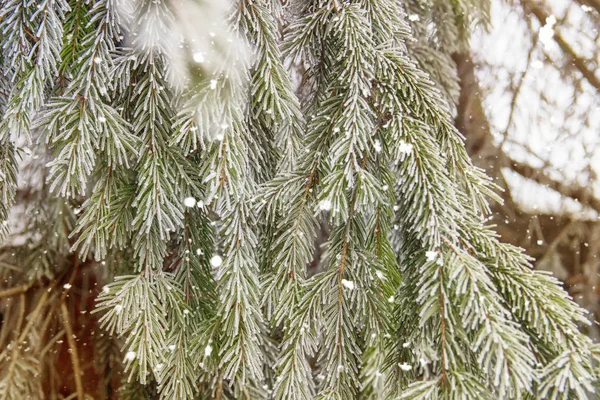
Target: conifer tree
[[273, 201]]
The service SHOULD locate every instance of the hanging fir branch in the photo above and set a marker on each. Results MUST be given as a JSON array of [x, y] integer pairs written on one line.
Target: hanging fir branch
[[276, 205]]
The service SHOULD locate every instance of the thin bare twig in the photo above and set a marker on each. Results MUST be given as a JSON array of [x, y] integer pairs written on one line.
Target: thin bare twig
[[72, 350], [541, 14], [14, 291]]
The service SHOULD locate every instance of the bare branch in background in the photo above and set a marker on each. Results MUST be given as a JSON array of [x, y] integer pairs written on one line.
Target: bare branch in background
[[538, 10]]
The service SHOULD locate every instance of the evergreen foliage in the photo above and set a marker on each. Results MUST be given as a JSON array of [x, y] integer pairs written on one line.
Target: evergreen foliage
[[198, 170]]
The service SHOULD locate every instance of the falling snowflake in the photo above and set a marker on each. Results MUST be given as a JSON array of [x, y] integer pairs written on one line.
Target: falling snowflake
[[537, 64], [189, 202], [377, 146], [199, 57], [431, 255], [216, 261]]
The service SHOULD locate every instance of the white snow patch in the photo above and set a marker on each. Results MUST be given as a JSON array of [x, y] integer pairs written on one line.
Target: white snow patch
[[546, 32], [404, 147], [348, 284], [405, 367]]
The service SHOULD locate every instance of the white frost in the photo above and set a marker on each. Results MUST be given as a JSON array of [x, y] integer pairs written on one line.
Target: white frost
[[325, 205]]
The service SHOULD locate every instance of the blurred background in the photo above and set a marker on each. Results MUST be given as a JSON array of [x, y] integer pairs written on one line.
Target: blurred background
[[529, 107]]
